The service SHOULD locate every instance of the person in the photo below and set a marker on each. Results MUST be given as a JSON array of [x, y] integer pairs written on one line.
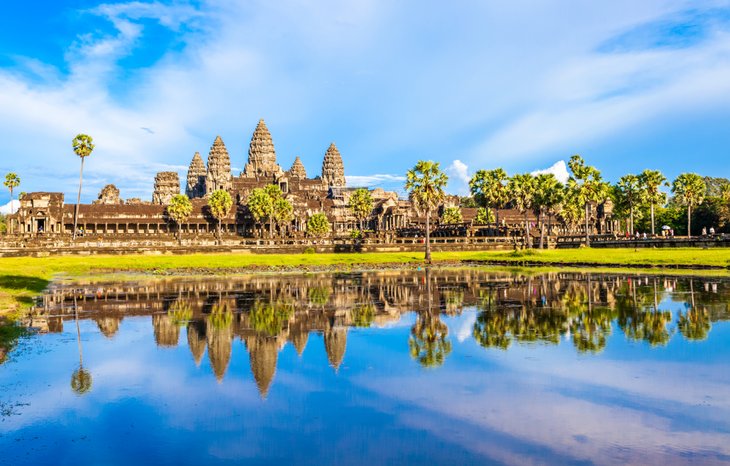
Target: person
[[644, 235], [637, 235], [704, 231], [712, 231]]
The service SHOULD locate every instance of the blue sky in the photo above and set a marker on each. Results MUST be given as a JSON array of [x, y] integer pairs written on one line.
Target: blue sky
[[478, 84]]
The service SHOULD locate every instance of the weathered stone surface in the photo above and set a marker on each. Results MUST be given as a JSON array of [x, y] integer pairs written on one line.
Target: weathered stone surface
[[167, 185], [333, 170], [196, 177], [109, 195], [297, 169], [261, 155], [219, 167]]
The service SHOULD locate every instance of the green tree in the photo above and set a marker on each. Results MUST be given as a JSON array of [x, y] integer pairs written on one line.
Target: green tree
[[220, 204], [548, 196], [483, 217], [3, 224], [12, 181], [689, 190], [630, 193], [318, 226], [522, 192], [260, 205], [426, 183], [179, 211], [283, 212], [489, 188], [83, 146], [361, 204], [587, 186], [650, 182], [571, 209], [451, 215]]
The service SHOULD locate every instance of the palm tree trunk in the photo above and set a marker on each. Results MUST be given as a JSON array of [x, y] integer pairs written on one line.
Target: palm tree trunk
[[496, 219], [78, 199], [528, 243], [689, 221], [542, 229], [10, 223], [428, 236], [652, 219], [78, 332], [588, 240], [631, 216]]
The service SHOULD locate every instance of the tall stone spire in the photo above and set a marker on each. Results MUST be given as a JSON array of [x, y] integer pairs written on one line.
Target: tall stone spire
[[196, 177], [261, 155], [297, 169], [219, 168], [333, 170]]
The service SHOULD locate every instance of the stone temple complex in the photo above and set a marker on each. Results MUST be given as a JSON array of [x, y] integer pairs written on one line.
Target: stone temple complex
[[47, 215]]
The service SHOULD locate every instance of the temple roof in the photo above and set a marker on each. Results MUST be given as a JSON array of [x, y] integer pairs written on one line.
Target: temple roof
[[333, 170], [297, 169], [261, 153]]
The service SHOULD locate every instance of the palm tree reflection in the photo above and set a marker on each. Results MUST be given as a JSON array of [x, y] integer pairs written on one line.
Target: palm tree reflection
[[428, 343], [81, 380]]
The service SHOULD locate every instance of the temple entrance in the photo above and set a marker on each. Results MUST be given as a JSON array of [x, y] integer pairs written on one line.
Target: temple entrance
[[40, 225]]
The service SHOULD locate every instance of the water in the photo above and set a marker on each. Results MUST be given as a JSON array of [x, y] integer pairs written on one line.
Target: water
[[448, 367]]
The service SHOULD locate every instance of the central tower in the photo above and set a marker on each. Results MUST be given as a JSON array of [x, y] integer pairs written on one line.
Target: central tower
[[261, 155]]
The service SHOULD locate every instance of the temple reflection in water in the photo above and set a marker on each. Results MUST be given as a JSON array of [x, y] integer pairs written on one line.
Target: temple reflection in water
[[268, 311]]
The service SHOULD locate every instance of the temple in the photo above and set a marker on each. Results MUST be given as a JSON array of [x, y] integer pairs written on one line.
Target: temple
[[47, 215]]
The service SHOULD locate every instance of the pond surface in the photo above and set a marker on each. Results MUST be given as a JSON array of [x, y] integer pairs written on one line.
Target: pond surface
[[466, 366]]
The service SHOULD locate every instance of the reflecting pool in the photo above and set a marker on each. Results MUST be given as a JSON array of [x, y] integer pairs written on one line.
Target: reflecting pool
[[460, 366]]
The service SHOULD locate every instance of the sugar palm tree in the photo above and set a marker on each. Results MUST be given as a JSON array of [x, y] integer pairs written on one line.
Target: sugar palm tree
[[489, 188], [361, 204], [588, 186], [220, 204], [522, 191], [630, 190], [651, 181], [426, 183], [83, 146], [12, 181], [548, 195], [689, 189], [179, 211]]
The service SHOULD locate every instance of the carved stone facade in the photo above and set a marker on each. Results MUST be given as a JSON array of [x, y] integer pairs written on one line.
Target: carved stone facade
[[109, 196], [219, 168], [196, 177], [167, 185], [333, 170]]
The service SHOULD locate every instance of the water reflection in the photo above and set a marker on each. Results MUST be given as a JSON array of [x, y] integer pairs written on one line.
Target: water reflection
[[267, 312]]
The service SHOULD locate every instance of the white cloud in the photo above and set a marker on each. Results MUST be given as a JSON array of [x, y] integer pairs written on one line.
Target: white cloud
[[10, 207], [375, 181], [459, 177], [559, 169]]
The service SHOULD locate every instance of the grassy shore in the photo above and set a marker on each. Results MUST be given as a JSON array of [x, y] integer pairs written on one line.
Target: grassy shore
[[23, 278]]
